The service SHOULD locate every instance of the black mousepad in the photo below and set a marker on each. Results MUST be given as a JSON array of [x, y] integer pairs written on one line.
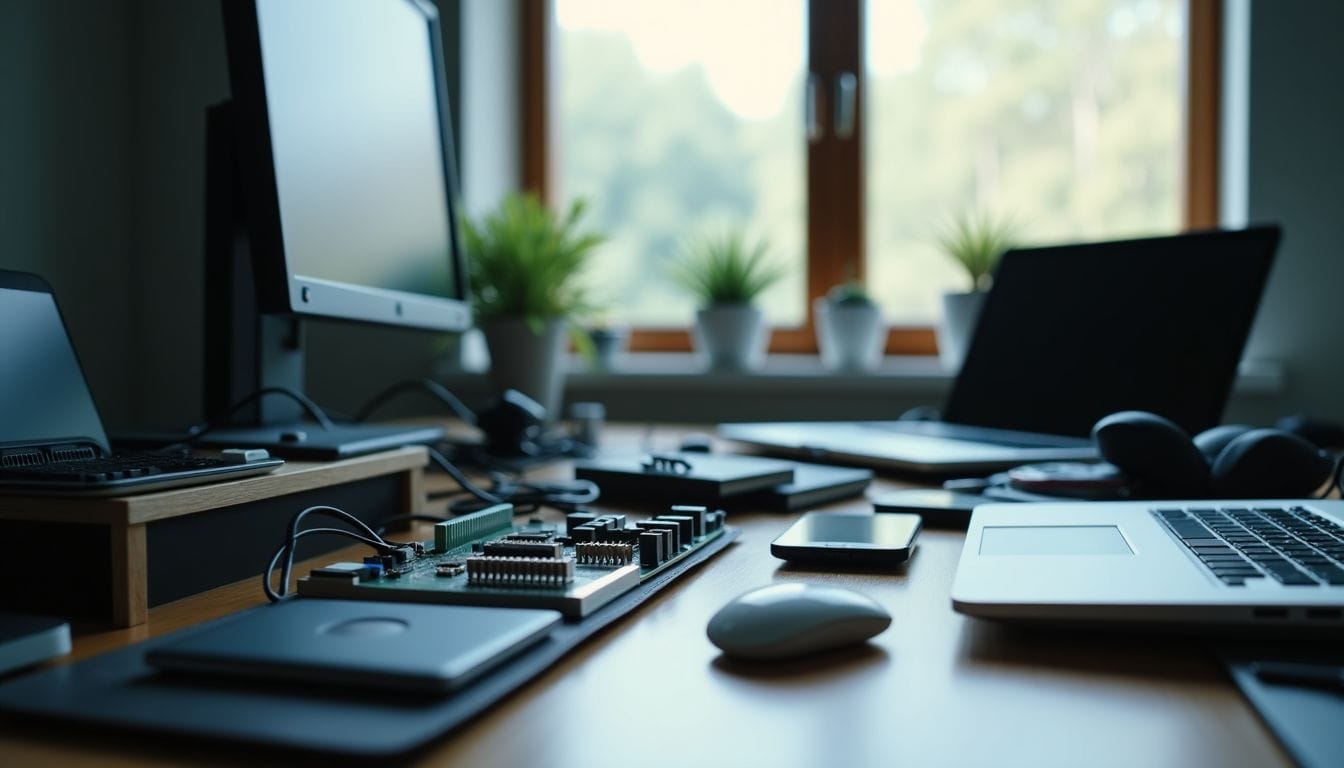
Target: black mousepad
[[1304, 718], [118, 690]]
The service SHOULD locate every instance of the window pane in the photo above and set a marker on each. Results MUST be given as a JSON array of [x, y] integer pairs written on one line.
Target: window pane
[[1064, 115], [677, 119]]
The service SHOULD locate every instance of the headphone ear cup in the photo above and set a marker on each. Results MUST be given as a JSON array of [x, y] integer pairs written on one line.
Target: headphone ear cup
[[1211, 442], [1269, 463], [1155, 453]]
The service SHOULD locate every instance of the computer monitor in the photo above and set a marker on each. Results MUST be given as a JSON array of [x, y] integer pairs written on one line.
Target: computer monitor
[[331, 194]]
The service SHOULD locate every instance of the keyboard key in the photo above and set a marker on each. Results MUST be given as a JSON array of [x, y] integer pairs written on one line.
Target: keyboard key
[[1332, 574], [1292, 578], [1240, 571], [1188, 529]]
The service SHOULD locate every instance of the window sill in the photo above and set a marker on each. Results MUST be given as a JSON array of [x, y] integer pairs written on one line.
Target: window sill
[[651, 386]]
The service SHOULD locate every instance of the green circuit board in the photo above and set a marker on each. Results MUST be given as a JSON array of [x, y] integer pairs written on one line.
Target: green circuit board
[[486, 559]]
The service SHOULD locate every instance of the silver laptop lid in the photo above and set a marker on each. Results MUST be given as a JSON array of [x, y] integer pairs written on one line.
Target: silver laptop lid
[[44, 399]]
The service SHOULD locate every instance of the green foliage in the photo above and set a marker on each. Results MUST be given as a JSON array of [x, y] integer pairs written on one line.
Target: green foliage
[[524, 261], [725, 269], [1067, 112], [976, 241], [849, 294]]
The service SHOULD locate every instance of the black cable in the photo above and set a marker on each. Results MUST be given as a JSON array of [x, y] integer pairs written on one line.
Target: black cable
[[428, 386], [457, 474], [1335, 478], [381, 529], [525, 496], [325, 511], [199, 430], [363, 533], [275, 597]]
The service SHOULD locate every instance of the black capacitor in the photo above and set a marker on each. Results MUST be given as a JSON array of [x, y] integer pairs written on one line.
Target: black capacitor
[[687, 525], [614, 522], [575, 519], [617, 534], [714, 520], [664, 525], [650, 549], [668, 551], [696, 513]]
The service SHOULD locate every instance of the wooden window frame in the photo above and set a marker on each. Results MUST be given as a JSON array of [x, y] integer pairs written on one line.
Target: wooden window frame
[[835, 204]]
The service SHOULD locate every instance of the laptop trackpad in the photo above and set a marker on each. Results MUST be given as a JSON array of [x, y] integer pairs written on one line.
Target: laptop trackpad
[[1053, 540]]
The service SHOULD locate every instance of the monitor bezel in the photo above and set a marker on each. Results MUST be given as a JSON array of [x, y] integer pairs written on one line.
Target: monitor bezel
[[281, 291]]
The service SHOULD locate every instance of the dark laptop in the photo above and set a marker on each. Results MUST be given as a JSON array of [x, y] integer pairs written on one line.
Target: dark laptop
[[1067, 335], [51, 437]]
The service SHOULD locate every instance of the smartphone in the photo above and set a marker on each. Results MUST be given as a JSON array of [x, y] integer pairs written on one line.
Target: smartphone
[[848, 539], [938, 508]]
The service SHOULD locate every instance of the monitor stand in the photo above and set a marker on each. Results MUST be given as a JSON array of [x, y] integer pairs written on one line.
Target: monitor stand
[[246, 350], [309, 441]]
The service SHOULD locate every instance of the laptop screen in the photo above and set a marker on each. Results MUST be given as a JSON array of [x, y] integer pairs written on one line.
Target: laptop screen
[[43, 396], [1072, 333]]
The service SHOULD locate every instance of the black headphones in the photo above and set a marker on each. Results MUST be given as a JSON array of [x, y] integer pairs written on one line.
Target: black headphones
[[1228, 462]]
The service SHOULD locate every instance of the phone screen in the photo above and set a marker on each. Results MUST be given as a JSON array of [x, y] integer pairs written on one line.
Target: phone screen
[[884, 531]]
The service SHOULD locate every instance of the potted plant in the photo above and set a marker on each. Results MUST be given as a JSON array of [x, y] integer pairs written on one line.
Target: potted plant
[[524, 265], [609, 340], [726, 274], [850, 331], [975, 241]]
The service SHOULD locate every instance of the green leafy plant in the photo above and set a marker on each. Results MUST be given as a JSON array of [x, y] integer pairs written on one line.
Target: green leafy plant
[[849, 294], [976, 241], [525, 261], [725, 269]]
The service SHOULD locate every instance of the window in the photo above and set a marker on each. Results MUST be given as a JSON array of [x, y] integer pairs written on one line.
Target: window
[[1079, 119]]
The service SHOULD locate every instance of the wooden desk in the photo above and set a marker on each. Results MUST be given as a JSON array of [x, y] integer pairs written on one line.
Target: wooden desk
[[936, 688], [124, 520]]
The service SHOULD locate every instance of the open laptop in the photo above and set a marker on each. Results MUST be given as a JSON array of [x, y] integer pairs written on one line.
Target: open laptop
[[51, 437], [1069, 334], [1269, 563]]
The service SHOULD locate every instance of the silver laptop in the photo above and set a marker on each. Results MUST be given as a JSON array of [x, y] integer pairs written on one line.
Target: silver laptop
[[1270, 563], [1068, 335]]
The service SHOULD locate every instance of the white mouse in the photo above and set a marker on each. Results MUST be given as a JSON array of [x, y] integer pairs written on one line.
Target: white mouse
[[792, 619]]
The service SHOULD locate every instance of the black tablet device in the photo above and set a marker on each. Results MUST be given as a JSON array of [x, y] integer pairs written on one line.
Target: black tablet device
[[350, 643]]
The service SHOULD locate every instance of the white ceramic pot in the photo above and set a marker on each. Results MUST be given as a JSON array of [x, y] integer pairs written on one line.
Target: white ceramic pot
[[961, 311], [528, 361], [609, 345], [733, 337], [851, 337]]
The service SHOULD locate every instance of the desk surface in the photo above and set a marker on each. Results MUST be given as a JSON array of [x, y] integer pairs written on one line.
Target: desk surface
[[937, 688]]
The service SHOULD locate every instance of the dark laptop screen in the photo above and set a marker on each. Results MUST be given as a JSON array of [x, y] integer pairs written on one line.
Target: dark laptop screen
[[43, 395], [1071, 333]]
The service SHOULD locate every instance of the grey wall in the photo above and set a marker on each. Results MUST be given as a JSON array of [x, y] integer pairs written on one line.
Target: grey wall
[[1292, 166], [66, 174], [179, 70]]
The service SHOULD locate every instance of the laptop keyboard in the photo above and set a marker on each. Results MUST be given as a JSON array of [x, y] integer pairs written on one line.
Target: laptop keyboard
[[1292, 545], [115, 467]]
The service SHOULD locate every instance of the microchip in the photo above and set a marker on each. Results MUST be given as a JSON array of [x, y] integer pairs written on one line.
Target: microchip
[[451, 568]]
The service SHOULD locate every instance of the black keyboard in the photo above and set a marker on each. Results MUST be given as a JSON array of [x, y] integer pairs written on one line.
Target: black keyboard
[[1292, 545], [115, 467], [131, 472]]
